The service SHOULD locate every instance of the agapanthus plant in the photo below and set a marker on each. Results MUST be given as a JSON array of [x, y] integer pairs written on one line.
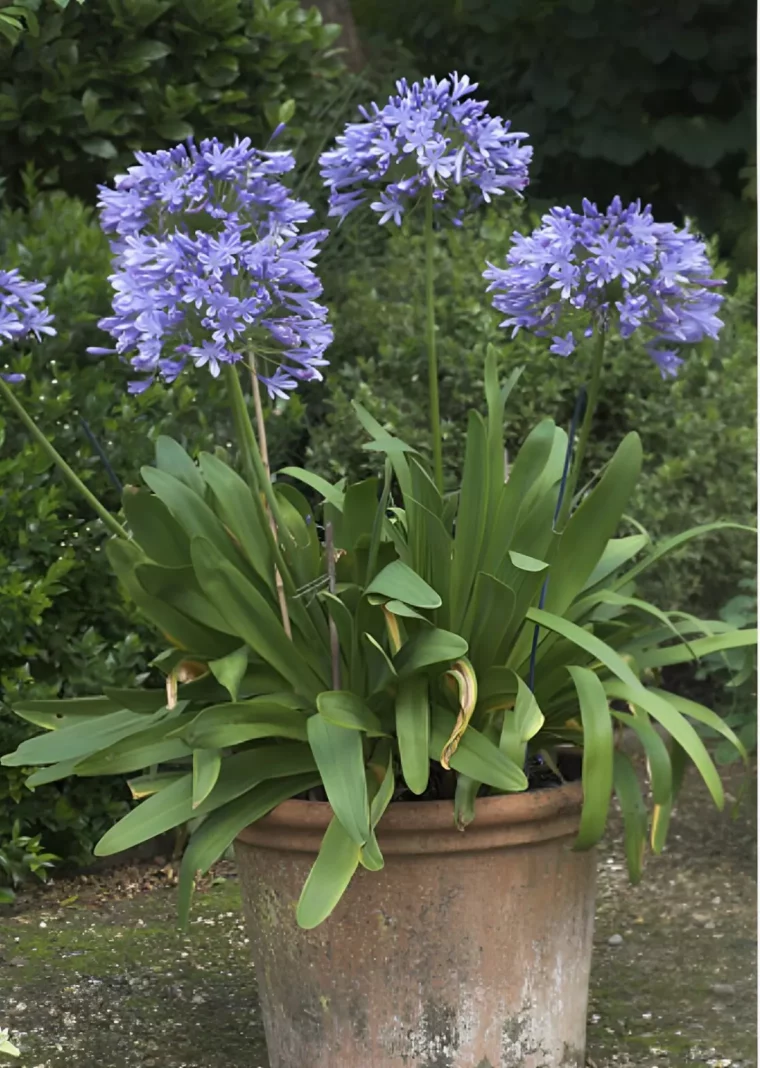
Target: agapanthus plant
[[584, 273], [211, 266], [425, 140], [427, 137], [22, 313]]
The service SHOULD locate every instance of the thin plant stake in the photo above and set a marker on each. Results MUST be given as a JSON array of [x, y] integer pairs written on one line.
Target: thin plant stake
[[262, 435], [334, 641]]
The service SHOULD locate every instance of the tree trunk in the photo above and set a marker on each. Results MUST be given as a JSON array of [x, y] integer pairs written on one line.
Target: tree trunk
[[339, 11]]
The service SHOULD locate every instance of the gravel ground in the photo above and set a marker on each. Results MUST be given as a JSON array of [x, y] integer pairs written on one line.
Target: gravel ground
[[94, 975]]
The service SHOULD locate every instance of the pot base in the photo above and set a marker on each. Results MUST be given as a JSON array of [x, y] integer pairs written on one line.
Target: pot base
[[468, 950]]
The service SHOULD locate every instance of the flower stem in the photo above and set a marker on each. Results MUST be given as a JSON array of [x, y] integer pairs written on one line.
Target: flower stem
[[110, 521], [592, 397], [256, 473], [435, 413], [262, 432]]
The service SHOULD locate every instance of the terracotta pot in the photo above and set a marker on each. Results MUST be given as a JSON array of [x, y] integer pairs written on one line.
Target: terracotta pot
[[468, 950]]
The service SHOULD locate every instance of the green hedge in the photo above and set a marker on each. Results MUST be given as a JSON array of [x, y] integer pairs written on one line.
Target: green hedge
[[91, 82], [698, 431]]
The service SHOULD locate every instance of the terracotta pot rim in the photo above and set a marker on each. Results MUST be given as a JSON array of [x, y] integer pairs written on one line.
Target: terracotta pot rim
[[427, 826]]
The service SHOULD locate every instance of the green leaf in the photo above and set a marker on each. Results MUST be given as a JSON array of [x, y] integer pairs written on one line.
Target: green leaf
[[330, 874], [589, 642], [138, 750], [240, 514], [340, 759], [155, 529], [146, 701], [680, 654], [178, 588], [471, 519], [617, 599], [359, 508], [670, 545], [675, 724], [207, 764], [251, 617], [190, 511], [172, 459], [598, 751], [345, 709], [384, 794], [634, 813], [658, 760], [428, 649], [217, 833], [53, 714], [465, 795], [75, 741], [662, 812], [52, 773], [177, 627], [531, 460], [100, 147], [387, 443], [333, 494], [704, 715], [617, 552], [413, 731], [527, 563], [520, 723], [492, 611], [475, 755], [591, 526], [173, 805], [230, 670], [222, 726], [399, 582]]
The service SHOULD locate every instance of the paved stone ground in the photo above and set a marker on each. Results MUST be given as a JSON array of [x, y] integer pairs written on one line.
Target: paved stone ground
[[94, 975]]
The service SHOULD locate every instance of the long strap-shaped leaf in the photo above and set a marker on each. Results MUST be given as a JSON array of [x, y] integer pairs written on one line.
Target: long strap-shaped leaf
[[679, 654], [253, 619], [340, 758], [590, 528], [634, 812], [413, 731], [330, 874], [671, 544], [597, 756], [676, 725], [219, 831], [593, 645], [173, 805]]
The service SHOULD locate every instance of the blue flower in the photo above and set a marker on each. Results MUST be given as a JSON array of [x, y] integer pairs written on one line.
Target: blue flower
[[211, 263], [21, 312], [427, 135], [587, 271]]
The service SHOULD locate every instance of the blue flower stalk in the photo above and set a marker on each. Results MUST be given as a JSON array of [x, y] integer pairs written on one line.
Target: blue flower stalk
[[213, 267], [581, 274], [425, 141], [211, 261]]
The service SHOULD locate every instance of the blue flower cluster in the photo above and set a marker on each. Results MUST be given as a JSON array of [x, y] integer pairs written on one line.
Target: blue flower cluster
[[431, 135], [211, 263], [578, 272], [21, 312]]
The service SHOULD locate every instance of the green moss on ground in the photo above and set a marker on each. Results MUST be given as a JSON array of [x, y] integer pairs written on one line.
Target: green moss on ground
[[101, 978]]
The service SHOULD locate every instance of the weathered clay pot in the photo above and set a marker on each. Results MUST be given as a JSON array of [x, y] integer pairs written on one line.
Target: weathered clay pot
[[468, 950]]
